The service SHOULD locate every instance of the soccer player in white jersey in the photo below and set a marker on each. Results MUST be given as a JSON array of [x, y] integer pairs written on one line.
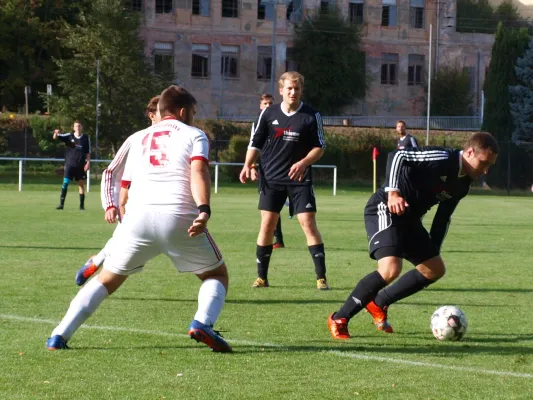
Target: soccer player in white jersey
[[114, 196], [168, 211]]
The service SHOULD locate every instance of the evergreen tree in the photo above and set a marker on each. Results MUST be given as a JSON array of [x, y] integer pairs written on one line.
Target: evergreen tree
[[508, 46], [450, 92], [328, 51], [522, 101], [127, 82]]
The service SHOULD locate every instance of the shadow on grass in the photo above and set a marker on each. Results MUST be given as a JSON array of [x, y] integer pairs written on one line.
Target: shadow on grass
[[48, 247]]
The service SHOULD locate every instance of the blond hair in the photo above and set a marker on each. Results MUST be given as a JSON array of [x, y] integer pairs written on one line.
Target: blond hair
[[292, 76]]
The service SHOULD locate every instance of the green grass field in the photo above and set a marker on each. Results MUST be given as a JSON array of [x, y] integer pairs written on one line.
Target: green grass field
[[135, 346]]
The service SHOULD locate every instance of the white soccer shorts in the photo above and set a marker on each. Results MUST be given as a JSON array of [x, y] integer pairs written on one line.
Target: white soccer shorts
[[144, 235]]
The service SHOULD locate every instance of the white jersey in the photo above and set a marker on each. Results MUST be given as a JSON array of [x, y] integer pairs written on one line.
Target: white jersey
[[112, 176], [159, 167]]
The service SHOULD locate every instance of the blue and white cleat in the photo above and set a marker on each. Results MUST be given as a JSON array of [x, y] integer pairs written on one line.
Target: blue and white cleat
[[86, 271], [205, 334], [56, 342]]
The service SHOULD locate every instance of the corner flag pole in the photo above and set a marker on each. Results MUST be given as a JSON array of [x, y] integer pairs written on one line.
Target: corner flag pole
[[375, 154]]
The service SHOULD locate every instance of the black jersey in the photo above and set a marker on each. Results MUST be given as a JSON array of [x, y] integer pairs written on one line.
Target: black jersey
[[406, 142], [76, 149], [285, 139], [426, 176]]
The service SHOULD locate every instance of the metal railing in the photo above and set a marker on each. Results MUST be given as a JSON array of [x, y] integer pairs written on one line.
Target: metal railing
[[216, 165], [420, 122]]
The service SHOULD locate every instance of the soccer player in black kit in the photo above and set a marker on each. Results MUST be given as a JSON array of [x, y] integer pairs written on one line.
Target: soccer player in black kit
[[417, 179], [290, 139], [77, 161], [406, 141]]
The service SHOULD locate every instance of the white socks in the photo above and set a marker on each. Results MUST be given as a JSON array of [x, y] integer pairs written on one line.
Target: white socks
[[210, 301], [98, 259], [82, 306]]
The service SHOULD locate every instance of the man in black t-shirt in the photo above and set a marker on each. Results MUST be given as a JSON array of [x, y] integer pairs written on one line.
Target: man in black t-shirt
[[77, 161], [417, 179], [290, 139], [406, 141]]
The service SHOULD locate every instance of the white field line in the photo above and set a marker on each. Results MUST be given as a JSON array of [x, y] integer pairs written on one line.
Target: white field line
[[337, 353]]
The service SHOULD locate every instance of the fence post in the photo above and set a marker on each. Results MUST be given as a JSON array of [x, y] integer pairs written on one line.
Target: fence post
[[88, 180], [20, 175], [335, 181], [216, 178]]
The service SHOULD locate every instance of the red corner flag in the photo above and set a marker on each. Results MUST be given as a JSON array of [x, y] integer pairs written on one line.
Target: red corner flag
[[375, 153]]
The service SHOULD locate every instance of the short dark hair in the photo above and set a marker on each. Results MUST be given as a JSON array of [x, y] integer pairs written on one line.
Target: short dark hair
[[266, 96], [151, 107], [174, 98], [401, 122], [483, 141]]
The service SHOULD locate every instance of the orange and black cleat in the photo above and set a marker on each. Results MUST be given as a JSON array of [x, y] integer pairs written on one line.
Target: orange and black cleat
[[86, 271], [338, 327], [380, 317]]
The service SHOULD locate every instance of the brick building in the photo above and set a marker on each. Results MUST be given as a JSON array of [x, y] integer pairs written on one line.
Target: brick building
[[222, 49]]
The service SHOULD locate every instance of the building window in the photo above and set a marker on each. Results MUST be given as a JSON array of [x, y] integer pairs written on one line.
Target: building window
[[294, 10], [389, 68], [229, 65], [356, 11], [415, 69], [230, 8], [163, 58], [200, 7], [163, 6], [200, 61], [264, 62], [265, 11], [324, 6], [290, 62], [134, 5], [388, 13], [417, 14]]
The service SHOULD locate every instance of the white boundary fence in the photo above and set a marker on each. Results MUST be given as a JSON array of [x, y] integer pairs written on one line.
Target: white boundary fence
[[213, 164]]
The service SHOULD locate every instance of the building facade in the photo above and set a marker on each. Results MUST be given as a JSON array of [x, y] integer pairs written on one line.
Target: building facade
[[222, 50]]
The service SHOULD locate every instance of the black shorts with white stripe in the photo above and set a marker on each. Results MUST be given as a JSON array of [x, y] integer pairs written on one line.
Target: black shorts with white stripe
[[273, 197], [404, 234]]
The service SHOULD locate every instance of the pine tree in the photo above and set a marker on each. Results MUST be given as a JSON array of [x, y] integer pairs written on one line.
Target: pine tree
[[522, 101], [508, 46]]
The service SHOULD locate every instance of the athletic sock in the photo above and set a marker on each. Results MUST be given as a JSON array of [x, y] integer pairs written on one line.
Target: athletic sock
[[263, 254], [364, 293], [318, 254], [410, 283], [210, 301], [81, 308], [63, 196], [278, 234], [82, 201], [98, 259]]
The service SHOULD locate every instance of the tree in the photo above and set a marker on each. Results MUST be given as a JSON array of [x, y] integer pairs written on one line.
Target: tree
[[479, 16], [110, 34], [509, 44], [328, 51], [522, 101], [30, 35], [451, 93]]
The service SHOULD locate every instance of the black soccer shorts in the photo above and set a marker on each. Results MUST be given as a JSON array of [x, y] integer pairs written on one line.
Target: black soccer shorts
[[403, 234], [272, 198], [73, 172]]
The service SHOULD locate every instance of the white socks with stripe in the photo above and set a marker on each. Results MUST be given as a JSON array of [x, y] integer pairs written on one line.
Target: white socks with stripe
[[82, 306], [210, 301]]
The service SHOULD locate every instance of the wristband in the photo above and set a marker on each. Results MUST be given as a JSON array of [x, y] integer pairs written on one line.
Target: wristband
[[205, 208], [252, 166]]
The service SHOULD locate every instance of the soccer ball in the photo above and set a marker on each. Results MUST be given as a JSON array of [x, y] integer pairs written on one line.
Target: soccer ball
[[448, 323]]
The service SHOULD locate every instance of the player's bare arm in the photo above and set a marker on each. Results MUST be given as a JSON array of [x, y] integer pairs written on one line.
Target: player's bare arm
[[396, 203], [201, 190], [297, 170], [87, 162], [122, 200], [246, 172]]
